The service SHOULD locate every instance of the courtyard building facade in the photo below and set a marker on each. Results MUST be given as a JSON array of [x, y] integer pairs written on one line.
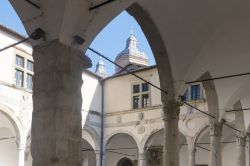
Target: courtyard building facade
[[122, 117]]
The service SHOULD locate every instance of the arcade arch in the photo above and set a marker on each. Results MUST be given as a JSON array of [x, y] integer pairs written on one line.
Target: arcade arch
[[119, 146], [88, 154], [154, 148], [10, 138], [125, 162]]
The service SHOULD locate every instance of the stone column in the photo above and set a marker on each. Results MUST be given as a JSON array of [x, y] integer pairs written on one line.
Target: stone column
[[56, 121], [142, 159], [191, 155], [241, 151], [248, 144], [98, 162], [215, 138], [171, 111], [21, 153], [104, 158]]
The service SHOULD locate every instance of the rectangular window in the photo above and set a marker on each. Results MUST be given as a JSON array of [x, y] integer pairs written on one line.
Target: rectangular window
[[145, 100], [195, 92], [140, 97], [135, 102], [30, 65], [145, 87], [19, 61], [136, 88], [29, 81], [19, 77]]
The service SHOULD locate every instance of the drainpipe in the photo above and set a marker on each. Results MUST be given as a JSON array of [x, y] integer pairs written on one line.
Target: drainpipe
[[102, 123]]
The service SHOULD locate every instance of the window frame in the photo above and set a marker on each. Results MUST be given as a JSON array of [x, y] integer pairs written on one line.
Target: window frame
[[24, 69], [189, 91], [140, 94], [22, 79]]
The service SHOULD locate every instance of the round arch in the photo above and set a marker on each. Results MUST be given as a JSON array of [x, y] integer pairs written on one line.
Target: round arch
[[199, 132], [12, 137], [150, 134], [125, 162], [211, 96], [14, 121], [126, 132], [158, 47], [120, 144], [91, 135], [88, 153]]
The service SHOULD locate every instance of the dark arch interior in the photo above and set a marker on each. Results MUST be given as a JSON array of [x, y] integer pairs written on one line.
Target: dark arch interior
[[125, 162]]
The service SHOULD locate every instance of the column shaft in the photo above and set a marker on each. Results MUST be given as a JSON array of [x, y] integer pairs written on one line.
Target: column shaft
[[56, 120], [241, 151], [21, 153], [104, 158], [98, 162], [191, 156], [215, 138], [171, 134], [248, 144], [142, 159]]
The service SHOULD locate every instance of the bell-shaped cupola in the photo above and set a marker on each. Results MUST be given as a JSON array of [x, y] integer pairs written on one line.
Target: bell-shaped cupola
[[131, 57]]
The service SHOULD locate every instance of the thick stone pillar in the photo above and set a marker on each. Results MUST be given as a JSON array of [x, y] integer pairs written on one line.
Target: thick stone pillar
[[241, 151], [171, 111], [142, 159], [215, 138], [56, 123], [21, 153]]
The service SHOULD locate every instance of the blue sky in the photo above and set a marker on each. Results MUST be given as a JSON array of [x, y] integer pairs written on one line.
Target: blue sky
[[110, 41]]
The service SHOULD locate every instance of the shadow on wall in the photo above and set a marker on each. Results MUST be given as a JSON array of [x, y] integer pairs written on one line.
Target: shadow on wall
[[92, 99]]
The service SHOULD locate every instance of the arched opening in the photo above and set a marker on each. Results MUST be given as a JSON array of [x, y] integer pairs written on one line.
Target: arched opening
[[202, 147], [154, 149], [228, 147], [9, 134], [125, 162], [88, 154], [121, 146]]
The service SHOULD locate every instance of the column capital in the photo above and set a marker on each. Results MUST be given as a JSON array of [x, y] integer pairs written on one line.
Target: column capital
[[142, 156], [216, 129], [171, 109], [241, 140], [21, 146], [192, 149]]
